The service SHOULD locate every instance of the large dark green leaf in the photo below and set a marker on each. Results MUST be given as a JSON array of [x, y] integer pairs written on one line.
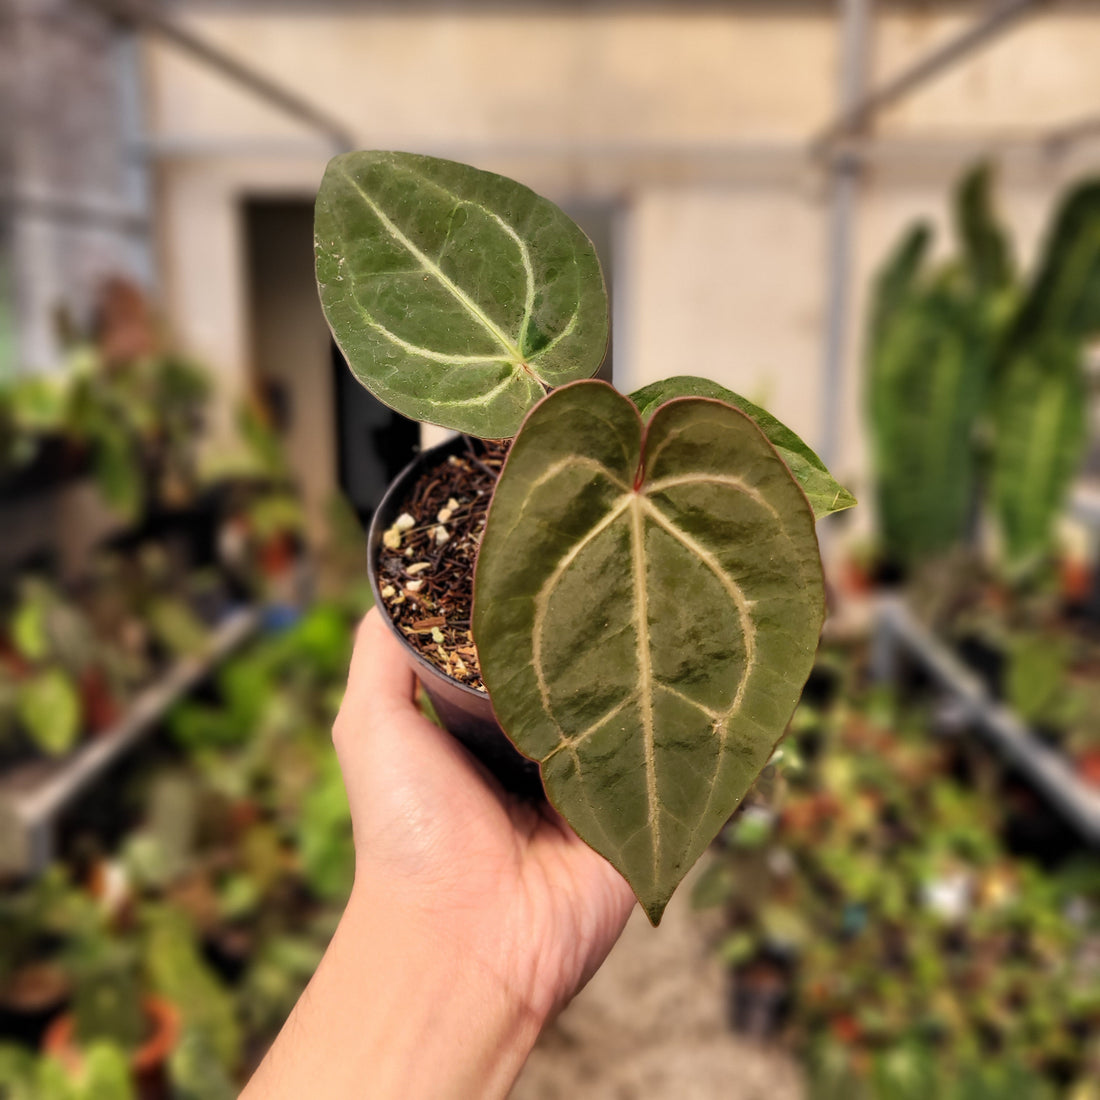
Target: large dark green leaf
[[1041, 428], [457, 296], [647, 604], [824, 492]]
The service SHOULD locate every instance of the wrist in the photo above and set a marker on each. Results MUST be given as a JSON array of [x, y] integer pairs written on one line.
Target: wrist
[[442, 1002], [399, 1008]]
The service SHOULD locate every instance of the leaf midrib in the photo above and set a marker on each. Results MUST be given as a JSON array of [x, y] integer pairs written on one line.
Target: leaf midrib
[[637, 505], [432, 268]]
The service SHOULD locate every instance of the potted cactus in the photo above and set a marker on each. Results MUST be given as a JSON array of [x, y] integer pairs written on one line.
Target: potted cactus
[[647, 595]]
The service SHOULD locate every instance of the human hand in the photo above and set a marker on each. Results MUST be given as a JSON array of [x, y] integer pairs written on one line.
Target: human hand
[[439, 840], [474, 916]]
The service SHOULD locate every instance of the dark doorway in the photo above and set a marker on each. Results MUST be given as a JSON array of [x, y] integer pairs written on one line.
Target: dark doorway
[[373, 443]]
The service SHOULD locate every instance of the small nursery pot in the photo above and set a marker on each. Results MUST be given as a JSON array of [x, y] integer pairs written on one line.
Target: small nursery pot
[[465, 712]]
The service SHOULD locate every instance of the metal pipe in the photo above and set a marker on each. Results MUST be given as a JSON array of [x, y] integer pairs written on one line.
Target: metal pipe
[[843, 189], [142, 14], [858, 113], [48, 208], [136, 180]]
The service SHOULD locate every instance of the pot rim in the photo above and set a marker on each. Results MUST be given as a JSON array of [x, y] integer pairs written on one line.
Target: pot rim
[[424, 460]]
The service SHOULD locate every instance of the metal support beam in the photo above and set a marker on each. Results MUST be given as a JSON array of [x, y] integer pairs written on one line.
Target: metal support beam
[[120, 219], [145, 16], [843, 188], [858, 114]]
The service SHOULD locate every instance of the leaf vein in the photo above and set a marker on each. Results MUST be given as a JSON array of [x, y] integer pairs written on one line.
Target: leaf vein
[[437, 272]]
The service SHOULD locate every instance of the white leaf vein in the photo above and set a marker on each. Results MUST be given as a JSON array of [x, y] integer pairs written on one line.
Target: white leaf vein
[[433, 269]]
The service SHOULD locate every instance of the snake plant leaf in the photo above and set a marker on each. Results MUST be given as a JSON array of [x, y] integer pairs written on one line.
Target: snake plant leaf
[[1063, 297], [456, 295], [647, 605], [825, 494], [1040, 434], [897, 279], [986, 248], [926, 388]]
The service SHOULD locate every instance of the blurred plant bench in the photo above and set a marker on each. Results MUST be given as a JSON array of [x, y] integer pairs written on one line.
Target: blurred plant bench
[[899, 636], [33, 795]]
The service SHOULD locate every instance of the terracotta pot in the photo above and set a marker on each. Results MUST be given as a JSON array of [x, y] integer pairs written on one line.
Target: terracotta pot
[[149, 1063], [1076, 580], [465, 712], [1088, 766]]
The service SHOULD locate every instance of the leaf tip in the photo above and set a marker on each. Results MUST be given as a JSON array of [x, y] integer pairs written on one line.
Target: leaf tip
[[654, 907]]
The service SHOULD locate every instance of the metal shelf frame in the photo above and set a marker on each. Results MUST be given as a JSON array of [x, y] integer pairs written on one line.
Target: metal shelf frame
[[898, 635], [33, 795]]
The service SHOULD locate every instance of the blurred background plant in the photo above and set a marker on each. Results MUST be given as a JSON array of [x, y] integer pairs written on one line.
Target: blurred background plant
[[908, 902]]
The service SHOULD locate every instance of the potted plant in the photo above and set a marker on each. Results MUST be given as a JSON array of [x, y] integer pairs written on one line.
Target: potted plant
[[976, 380], [34, 984], [110, 1004], [647, 595], [49, 647], [102, 1075]]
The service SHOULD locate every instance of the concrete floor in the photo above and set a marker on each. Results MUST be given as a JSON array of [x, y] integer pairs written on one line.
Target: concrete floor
[[651, 1026]]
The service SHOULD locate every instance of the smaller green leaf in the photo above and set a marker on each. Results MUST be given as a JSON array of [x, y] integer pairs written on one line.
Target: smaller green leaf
[[456, 295], [825, 494], [49, 709]]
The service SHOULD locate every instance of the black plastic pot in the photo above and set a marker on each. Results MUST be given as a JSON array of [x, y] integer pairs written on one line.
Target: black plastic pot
[[465, 712]]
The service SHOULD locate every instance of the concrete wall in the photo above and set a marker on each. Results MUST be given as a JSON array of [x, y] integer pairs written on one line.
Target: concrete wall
[[692, 119]]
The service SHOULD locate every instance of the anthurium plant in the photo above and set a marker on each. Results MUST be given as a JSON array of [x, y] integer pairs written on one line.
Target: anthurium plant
[[648, 592]]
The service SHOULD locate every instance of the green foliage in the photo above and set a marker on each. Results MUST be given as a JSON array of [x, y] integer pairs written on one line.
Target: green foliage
[[197, 1073], [1040, 418], [986, 249], [822, 490], [1035, 684], [104, 1074], [929, 961], [107, 1002], [976, 389], [651, 646], [926, 391], [457, 296], [614, 610], [178, 972], [324, 836], [49, 710]]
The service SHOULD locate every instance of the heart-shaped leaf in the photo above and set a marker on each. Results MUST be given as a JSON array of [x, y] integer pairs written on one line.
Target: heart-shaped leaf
[[825, 494], [457, 296], [647, 604]]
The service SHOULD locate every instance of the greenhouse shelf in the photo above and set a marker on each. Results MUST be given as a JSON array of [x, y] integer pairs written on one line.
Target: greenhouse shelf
[[897, 633], [32, 795]]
